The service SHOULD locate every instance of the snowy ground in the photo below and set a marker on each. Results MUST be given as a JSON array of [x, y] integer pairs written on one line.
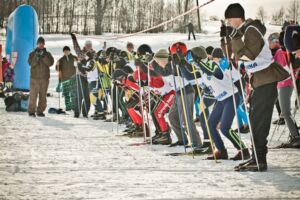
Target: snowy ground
[[59, 157]]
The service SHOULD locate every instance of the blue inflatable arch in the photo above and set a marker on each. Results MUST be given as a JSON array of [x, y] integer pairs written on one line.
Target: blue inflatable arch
[[22, 33]]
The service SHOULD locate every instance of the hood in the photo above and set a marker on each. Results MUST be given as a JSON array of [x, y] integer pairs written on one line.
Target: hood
[[257, 24]]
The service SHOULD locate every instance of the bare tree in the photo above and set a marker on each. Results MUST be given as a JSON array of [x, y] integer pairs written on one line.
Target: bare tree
[[294, 10], [261, 14], [101, 6], [278, 16]]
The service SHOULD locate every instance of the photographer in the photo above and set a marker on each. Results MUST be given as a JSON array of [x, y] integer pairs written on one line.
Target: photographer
[[40, 60]]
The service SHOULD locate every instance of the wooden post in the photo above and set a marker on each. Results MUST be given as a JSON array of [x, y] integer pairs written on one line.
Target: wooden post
[[1, 75], [198, 13]]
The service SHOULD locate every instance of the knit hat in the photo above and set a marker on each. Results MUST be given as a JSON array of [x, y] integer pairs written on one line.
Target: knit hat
[[88, 43], [161, 54], [218, 53], [274, 37], [209, 50], [235, 10], [129, 45], [66, 48], [40, 40], [144, 49], [118, 74], [199, 53], [292, 38]]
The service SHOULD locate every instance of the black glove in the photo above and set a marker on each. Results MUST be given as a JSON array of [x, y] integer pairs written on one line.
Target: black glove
[[40, 53], [130, 78], [102, 61], [176, 59], [138, 62], [227, 31]]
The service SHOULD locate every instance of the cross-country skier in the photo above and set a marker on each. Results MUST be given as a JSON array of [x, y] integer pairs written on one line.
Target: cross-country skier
[[248, 44], [285, 90], [219, 80]]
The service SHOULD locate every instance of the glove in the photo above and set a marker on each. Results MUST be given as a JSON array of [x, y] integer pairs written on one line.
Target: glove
[[8, 85], [148, 58], [227, 31], [176, 59], [189, 57], [130, 78], [138, 62]]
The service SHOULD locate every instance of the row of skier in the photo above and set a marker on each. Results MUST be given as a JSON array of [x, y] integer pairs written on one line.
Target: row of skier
[[218, 83]]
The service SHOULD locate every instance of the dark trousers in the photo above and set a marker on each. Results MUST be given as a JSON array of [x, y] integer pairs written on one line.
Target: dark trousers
[[224, 112], [207, 103], [81, 97], [261, 109], [192, 32]]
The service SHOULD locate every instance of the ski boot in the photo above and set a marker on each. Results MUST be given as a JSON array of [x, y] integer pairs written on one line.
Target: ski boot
[[240, 154], [163, 138], [219, 155]]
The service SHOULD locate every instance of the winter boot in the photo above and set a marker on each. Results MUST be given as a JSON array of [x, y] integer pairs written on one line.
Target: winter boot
[[219, 154], [279, 121], [204, 149], [294, 142], [240, 154], [163, 138], [251, 166]]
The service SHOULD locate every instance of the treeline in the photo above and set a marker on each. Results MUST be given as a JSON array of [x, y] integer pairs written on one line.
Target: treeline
[[98, 16]]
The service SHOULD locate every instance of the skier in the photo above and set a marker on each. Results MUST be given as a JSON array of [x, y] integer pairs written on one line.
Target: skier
[[81, 90], [130, 51], [186, 94], [162, 95], [246, 39], [285, 90], [40, 61], [209, 51], [219, 80], [66, 70]]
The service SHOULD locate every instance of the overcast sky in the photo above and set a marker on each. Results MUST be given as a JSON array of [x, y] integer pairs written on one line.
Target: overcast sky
[[251, 6]]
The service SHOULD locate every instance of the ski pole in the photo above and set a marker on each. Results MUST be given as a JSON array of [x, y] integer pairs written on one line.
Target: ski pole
[[112, 96], [188, 115], [235, 108], [149, 104], [204, 114], [77, 87], [117, 108], [293, 79], [141, 104], [246, 110], [82, 93], [184, 111], [232, 86], [179, 110], [105, 92]]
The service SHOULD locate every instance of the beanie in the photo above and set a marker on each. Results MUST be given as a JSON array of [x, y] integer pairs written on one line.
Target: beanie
[[161, 54], [40, 40], [218, 53], [235, 10]]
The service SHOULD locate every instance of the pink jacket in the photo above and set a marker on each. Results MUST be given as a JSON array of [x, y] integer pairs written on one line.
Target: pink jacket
[[281, 58]]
